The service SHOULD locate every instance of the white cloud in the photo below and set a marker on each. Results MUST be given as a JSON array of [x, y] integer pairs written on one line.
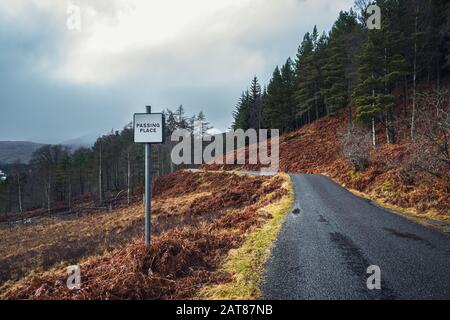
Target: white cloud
[[201, 53], [145, 33], [119, 37]]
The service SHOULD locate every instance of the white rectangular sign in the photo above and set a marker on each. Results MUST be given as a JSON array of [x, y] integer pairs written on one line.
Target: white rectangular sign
[[148, 128]]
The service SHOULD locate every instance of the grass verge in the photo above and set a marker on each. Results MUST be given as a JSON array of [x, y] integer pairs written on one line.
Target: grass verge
[[429, 219], [246, 263]]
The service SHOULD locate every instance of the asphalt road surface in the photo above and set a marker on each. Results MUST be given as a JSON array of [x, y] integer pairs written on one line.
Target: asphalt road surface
[[325, 248]]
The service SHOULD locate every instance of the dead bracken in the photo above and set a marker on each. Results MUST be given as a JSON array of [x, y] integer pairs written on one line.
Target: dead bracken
[[183, 256], [315, 149]]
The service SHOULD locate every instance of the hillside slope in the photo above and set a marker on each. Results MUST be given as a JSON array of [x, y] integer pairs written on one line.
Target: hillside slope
[[317, 148], [11, 151], [197, 219]]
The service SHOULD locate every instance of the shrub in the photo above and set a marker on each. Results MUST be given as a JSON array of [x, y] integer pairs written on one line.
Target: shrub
[[354, 175], [387, 187], [356, 147]]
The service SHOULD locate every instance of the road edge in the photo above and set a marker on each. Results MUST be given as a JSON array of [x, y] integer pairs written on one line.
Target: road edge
[[407, 213], [246, 263]]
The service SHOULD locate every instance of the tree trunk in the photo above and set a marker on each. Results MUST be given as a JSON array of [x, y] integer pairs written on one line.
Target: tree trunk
[[115, 177], [350, 117], [100, 178], [70, 194], [387, 90], [129, 178], [413, 116], [405, 97], [316, 106], [48, 191], [81, 183], [389, 135], [374, 137], [438, 76], [20, 194]]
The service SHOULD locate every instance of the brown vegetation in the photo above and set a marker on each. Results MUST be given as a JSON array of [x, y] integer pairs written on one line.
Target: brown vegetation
[[389, 172], [198, 218]]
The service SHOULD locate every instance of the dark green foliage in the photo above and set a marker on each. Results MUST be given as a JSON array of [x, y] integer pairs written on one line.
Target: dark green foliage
[[272, 101], [306, 73], [241, 114], [367, 94], [339, 70], [335, 91], [354, 67], [278, 103], [351, 67], [382, 66], [254, 115], [248, 111], [57, 176]]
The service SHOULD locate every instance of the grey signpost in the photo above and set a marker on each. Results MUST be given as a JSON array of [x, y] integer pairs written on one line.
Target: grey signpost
[[148, 129], [148, 187]]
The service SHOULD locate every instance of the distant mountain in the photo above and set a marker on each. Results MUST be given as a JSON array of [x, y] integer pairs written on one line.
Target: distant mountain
[[11, 151], [85, 141]]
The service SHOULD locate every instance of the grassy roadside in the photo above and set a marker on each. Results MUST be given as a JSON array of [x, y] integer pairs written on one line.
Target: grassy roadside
[[199, 218], [429, 219], [246, 263]]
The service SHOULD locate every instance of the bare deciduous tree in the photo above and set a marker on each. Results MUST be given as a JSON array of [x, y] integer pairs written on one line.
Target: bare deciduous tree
[[356, 147], [432, 146]]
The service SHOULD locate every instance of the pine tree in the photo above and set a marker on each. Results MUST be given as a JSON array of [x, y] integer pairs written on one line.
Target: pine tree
[[319, 61], [366, 94], [287, 105], [181, 120], [339, 71], [447, 33], [248, 111], [254, 116], [395, 64], [446, 27], [305, 94], [204, 123], [383, 65], [416, 26], [241, 112], [264, 108], [355, 67], [171, 122], [272, 101], [440, 38], [335, 91], [80, 164]]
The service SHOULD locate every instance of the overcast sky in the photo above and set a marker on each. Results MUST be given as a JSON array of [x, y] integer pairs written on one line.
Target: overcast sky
[[58, 84]]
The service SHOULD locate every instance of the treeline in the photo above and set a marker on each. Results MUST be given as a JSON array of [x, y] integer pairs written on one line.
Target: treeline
[[368, 72], [57, 176]]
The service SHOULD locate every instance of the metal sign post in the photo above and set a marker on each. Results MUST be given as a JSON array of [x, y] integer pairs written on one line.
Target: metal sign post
[[148, 187], [148, 129]]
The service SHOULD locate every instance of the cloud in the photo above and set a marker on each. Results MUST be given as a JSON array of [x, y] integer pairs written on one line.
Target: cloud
[[201, 53], [118, 37]]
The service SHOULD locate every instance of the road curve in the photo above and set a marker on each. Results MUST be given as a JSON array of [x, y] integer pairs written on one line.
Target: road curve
[[325, 248]]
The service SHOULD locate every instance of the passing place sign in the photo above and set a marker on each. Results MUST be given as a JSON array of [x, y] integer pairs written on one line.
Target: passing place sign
[[148, 128]]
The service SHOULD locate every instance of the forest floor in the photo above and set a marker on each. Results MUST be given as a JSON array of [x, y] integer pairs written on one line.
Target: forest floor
[[316, 149], [200, 221]]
